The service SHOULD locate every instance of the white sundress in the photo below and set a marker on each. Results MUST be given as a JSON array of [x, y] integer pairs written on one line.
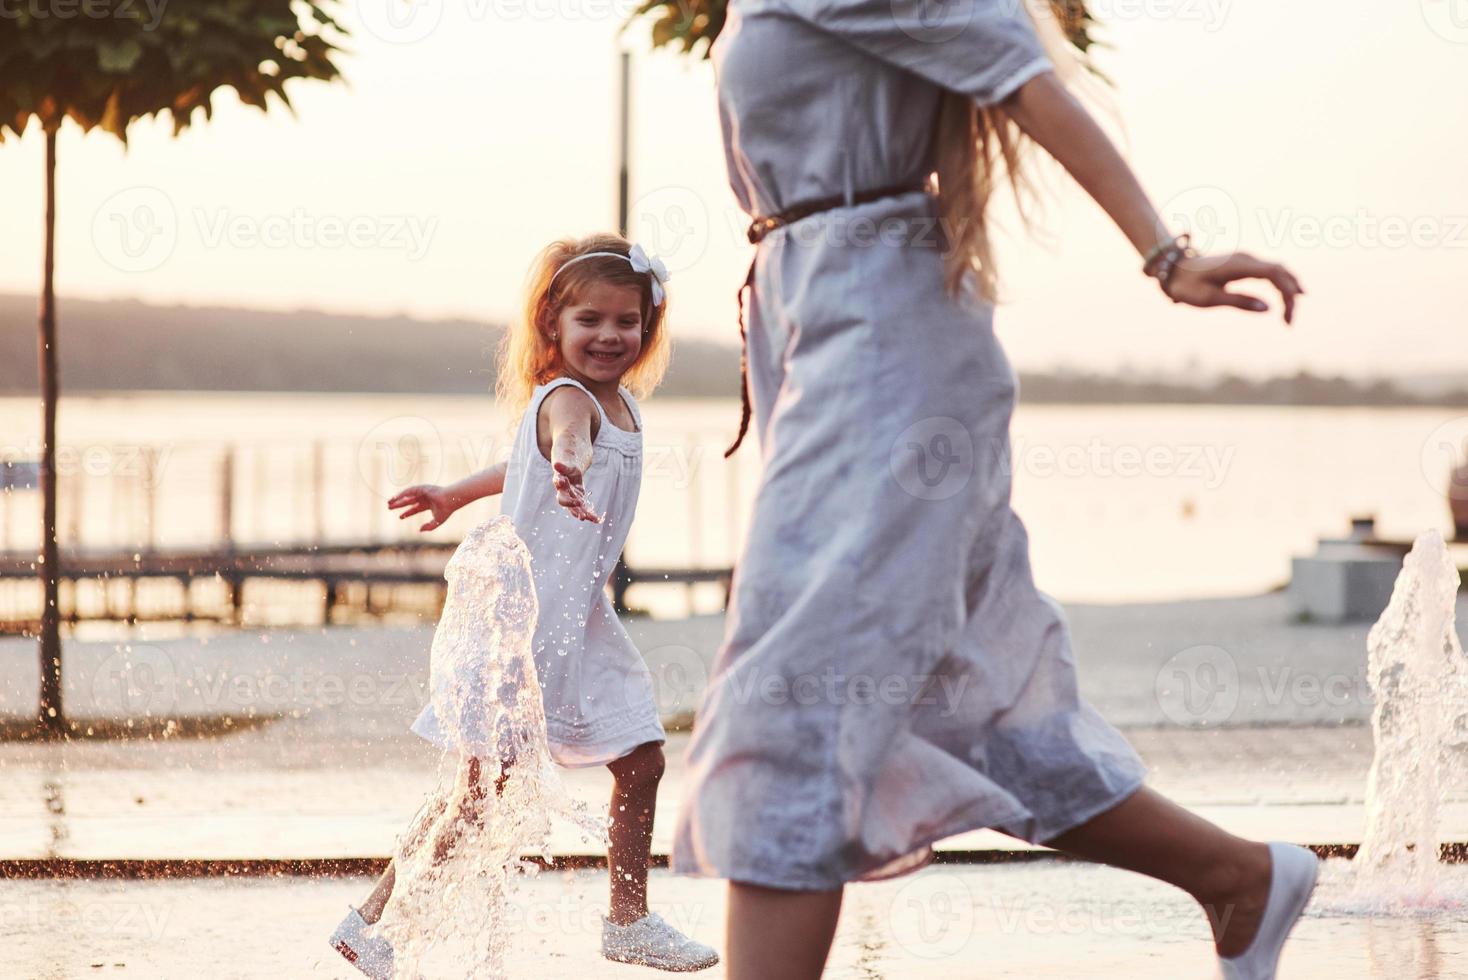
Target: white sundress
[[890, 674], [596, 688]]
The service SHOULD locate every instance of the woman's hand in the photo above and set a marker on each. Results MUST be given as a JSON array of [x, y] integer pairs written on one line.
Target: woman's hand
[[1199, 281], [424, 496], [571, 492]]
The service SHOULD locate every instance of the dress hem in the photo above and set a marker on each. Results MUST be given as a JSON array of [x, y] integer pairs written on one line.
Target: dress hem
[[697, 869]]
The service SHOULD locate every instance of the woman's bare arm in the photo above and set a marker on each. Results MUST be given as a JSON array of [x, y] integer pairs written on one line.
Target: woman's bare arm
[[1053, 118]]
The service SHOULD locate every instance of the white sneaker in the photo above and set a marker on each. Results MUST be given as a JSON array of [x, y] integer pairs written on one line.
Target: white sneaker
[[1291, 881], [370, 954], [652, 942]]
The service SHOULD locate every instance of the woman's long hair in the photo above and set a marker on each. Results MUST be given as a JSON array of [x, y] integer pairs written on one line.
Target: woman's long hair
[[979, 147], [529, 357]]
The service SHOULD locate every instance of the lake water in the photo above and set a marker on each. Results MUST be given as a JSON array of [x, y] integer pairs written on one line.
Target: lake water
[[1123, 502]]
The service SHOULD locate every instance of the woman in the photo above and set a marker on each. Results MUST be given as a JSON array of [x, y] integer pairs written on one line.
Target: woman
[[891, 675]]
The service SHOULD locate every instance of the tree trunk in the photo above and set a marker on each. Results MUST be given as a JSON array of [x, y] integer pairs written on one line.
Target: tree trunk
[[51, 719]]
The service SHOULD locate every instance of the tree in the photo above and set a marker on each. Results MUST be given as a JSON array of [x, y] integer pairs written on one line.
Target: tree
[[104, 64]]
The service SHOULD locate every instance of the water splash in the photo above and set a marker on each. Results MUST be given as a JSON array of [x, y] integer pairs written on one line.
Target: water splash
[[1419, 720], [497, 786]]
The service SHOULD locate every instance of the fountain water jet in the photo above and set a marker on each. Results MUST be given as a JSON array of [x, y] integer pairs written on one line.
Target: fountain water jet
[[1419, 721], [457, 858]]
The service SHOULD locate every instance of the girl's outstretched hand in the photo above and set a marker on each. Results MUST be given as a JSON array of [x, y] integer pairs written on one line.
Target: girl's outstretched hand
[[571, 492], [424, 496], [1199, 282]]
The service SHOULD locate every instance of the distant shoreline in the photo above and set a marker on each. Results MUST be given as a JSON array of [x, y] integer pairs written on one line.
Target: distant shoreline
[[1183, 398], [118, 347]]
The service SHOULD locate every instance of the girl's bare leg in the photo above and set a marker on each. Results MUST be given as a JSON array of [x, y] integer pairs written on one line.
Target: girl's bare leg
[[779, 935], [634, 804], [1148, 833], [371, 909]]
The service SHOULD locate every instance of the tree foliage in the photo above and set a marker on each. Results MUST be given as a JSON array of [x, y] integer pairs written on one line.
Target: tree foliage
[[105, 63]]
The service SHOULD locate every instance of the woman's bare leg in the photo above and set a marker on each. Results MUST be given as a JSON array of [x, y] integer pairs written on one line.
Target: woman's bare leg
[[1148, 833], [371, 909], [629, 841], [779, 935]]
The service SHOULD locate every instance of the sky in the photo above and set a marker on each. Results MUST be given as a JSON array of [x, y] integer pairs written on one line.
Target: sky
[[469, 133]]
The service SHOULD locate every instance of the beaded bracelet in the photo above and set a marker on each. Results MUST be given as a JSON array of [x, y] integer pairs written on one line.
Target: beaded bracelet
[[1164, 257]]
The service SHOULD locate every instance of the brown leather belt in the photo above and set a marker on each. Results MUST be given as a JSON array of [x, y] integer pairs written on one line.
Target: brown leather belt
[[762, 226]]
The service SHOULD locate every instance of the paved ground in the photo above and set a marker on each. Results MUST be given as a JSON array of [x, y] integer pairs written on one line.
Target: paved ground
[[294, 743], [1036, 921]]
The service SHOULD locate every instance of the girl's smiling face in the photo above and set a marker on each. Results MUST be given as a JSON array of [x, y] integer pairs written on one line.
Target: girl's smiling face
[[600, 335]]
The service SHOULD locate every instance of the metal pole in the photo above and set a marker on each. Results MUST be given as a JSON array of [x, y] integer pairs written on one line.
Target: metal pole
[[621, 575], [623, 141]]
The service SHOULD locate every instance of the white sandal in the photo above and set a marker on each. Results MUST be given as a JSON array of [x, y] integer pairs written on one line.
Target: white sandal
[[370, 954], [1291, 880]]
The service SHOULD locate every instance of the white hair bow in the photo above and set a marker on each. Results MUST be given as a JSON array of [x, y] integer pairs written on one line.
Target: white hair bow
[[653, 266]]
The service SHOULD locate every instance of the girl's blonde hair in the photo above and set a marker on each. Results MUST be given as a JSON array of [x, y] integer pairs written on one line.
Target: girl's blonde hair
[[979, 147], [529, 357]]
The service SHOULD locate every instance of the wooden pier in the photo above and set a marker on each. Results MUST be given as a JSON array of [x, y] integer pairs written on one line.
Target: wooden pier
[[347, 574]]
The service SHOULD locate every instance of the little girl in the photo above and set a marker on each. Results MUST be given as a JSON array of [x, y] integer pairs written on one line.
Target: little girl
[[593, 320]]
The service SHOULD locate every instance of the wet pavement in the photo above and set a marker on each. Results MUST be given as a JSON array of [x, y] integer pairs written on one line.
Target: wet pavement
[[181, 800], [1044, 920]]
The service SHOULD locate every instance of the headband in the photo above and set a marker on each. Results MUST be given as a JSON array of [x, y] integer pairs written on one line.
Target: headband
[[639, 261]]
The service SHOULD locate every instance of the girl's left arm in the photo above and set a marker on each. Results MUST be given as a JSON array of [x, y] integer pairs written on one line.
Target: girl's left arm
[[1052, 117]]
